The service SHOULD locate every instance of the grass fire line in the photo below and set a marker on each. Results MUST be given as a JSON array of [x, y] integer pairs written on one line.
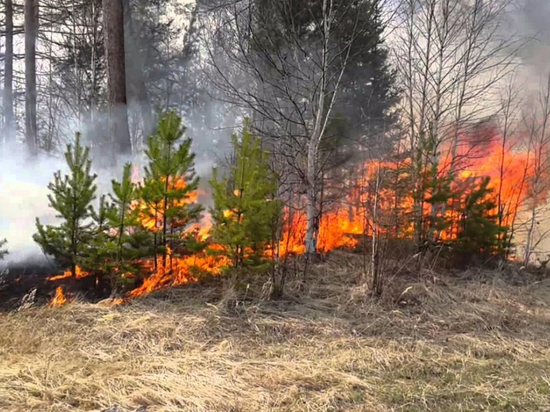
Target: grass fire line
[[338, 229], [345, 224]]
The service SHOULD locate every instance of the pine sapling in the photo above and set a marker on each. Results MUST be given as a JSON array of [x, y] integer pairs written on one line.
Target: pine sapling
[[170, 183], [123, 218], [245, 207], [71, 197]]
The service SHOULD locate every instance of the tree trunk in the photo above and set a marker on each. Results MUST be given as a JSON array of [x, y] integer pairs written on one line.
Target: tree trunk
[[113, 22], [31, 26], [9, 126], [377, 285], [530, 234], [312, 211], [136, 80]]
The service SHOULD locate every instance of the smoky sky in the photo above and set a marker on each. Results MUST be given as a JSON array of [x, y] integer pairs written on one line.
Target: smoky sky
[[532, 21]]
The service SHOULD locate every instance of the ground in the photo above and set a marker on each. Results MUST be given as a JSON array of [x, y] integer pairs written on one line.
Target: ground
[[454, 342]]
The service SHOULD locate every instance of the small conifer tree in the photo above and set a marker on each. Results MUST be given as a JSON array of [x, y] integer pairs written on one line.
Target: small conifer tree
[[123, 218], [170, 184], [245, 207], [118, 241], [479, 232], [71, 197]]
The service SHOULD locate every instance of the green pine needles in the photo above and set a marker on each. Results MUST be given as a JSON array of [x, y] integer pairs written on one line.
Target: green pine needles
[[245, 209], [133, 221], [170, 186], [71, 197]]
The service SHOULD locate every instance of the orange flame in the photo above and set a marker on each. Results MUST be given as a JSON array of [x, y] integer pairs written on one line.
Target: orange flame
[[80, 274], [59, 298], [178, 271], [343, 223], [151, 216]]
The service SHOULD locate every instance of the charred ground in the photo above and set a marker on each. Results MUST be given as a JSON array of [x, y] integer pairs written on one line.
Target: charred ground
[[18, 280]]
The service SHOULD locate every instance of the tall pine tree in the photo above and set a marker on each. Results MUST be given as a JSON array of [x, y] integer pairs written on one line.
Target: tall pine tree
[[245, 209], [71, 198]]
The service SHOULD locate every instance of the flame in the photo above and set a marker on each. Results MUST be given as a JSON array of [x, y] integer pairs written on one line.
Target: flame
[[343, 223], [80, 274], [201, 229], [59, 298], [176, 270], [179, 271], [507, 165], [151, 216]]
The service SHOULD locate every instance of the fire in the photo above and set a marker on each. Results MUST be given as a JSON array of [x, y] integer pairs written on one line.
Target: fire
[[201, 229], [151, 216], [59, 298], [80, 274], [176, 269], [342, 224], [179, 271]]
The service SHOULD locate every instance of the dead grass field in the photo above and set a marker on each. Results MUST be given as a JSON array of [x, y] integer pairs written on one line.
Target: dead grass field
[[455, 346]]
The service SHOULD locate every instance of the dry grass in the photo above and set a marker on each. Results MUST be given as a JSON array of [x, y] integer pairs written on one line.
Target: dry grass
[[455, 346]]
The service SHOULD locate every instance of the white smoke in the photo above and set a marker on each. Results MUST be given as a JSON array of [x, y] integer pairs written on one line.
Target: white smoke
[[23, 188], [24, 179]]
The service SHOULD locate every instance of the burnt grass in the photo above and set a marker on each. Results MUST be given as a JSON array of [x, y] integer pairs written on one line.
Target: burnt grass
[[19, 279]]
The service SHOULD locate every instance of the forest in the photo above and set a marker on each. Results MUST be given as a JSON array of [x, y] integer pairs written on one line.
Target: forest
[[353, 192]]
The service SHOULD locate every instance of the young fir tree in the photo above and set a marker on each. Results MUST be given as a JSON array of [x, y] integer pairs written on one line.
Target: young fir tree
[[123, 218], [118, 242], [170, 185], [479, 232], [99, 257], [245, 207], [71, 198]]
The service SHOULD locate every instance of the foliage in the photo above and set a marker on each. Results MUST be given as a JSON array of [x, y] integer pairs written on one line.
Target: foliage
[[170, 186], [478, 228], [71, 198], [245, 207], [118, 241]]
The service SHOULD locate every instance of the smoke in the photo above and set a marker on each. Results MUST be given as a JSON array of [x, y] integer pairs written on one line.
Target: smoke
[[23, 184], [24, 179], [532, 21], [529, 19]]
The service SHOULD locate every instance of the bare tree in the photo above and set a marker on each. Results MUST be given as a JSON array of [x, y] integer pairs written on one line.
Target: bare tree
[[450, 56], [510, 203], [538, 126], [286, 63]]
